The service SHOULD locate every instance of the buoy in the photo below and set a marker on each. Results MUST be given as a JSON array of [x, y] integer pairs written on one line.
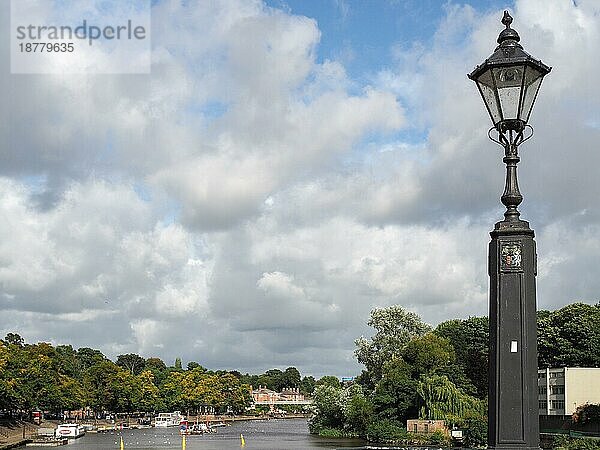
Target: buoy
[[122, 446], [183, 442], [242, 441]]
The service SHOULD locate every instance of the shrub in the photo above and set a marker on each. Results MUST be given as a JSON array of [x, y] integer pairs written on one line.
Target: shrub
[[386, 431], [475, 432], [569, 443], [336, 433]]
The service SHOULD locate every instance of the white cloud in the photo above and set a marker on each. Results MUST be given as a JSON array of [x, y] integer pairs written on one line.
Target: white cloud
[[256, 203]]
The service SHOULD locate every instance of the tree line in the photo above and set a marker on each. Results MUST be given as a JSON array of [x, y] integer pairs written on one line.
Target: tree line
[[413, 370], [59, 378]]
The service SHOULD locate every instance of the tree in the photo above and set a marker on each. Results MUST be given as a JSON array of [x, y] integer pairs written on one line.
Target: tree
[[4, 383], [569, 336], [178, 364], [470, 339], [88, 357], [307, 385], [131, 362], [193, 365], [14, 339], [588, 413], [395, 396], [329, 380], [67, 360], [357, 409], [290, 377], [395, 328], [158, 369], [427, 354], [99, 386], [443, 400], [327, 400], [148, 398], [172, 391]]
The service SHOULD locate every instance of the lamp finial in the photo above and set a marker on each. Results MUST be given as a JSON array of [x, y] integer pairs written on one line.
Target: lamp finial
[[507, 19]]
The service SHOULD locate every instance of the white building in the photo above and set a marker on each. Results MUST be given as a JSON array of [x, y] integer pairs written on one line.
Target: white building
[[562, 390]]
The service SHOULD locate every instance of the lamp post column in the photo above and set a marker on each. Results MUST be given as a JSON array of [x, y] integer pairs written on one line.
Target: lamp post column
[[513, 403], [509, 81]]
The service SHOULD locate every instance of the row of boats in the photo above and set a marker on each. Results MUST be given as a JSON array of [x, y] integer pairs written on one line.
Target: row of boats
[[176, 419], [163, 420]]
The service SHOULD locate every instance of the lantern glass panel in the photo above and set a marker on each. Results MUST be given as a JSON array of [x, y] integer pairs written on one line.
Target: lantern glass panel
[[509, 83], [485, 83], [533, 79]]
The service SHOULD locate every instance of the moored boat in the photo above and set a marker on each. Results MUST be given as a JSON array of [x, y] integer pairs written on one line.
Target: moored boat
[[168, 419], [69, 431]]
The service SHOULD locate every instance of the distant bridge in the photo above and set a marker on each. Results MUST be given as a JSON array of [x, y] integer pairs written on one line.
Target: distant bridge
[[284, 402]]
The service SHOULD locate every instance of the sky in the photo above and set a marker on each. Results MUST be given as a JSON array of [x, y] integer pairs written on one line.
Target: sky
[[286, 167]]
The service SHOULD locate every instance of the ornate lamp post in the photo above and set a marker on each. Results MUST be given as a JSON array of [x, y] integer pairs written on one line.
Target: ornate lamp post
[[509, 81]]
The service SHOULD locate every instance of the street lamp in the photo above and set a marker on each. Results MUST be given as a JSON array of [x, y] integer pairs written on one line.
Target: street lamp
[[509, 81]]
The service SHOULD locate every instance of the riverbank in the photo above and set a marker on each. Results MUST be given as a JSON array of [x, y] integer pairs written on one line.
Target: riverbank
[[18, 433], [15, 433]]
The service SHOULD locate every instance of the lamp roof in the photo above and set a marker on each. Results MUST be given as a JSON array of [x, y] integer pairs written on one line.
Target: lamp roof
[[509, 52]]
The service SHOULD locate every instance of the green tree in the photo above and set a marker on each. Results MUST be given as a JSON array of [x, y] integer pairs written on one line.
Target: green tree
[[395, 396], [172, 391], [443, 400], [14, 339], [569, 336], [148, 398], [67, 360], [133, 363], [357, 409], [395, 327], [194, 365], [88, 357], [470, 339], [329, 380], [99, 386], [291, 377], [307, 385], [327, 400], [427, 354]]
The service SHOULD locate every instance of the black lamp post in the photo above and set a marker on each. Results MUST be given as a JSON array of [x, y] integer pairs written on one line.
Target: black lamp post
[[509, 81]]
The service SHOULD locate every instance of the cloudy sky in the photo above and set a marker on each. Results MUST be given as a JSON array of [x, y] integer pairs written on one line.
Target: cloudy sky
[[286, 167]]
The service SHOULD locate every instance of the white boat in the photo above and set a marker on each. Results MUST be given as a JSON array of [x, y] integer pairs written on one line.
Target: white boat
[[168, 419], [69, 430]]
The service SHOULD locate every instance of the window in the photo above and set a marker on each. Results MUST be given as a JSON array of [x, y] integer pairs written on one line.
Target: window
[[541, 374], [557, 404], [415, 429], [542, 390], [557, 375], [542, 404], [557, 389]]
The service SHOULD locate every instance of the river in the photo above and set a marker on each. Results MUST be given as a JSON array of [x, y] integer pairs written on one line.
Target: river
[[275, 434]]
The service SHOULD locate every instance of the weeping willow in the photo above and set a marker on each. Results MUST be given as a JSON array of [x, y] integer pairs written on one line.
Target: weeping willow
[[443, 400]]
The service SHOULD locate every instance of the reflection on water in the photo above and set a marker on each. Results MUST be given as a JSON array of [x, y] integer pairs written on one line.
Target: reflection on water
[[265, 435], [289, 434]]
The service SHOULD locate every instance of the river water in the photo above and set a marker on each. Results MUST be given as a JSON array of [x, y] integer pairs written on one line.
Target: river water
[[279, 434]]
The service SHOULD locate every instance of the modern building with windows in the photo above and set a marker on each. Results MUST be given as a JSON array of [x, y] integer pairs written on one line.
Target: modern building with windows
[[561, 390]]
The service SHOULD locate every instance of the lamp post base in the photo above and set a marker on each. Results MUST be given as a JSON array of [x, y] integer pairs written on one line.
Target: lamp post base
[[514, 448], [513, 403]]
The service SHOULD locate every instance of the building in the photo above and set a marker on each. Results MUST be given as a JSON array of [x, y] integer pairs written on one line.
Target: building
[[562, 390], [265, 396], [291, 394], [426, 426]]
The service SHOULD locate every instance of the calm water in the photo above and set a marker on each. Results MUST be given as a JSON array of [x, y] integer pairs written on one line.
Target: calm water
[[263, 435]]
